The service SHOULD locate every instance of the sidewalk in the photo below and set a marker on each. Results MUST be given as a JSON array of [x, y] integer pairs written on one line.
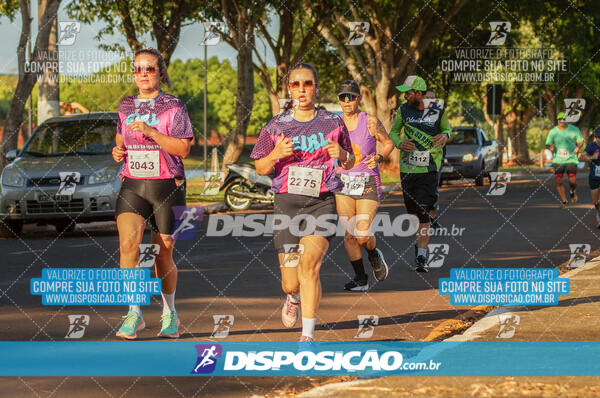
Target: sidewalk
[[575, 318]]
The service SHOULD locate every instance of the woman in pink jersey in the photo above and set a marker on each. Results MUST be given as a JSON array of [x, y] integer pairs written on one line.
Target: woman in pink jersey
[[153, 135], [359, 199], [302, 146]]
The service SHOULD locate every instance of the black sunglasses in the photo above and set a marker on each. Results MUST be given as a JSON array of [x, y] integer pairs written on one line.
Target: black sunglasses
[[349, 97]]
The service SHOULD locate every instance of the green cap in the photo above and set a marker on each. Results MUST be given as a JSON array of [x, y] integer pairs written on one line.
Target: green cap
[[413, 83], [561, 116]]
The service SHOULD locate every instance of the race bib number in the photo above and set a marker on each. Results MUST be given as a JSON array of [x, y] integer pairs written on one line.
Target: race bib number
[[419, 158], [304, 181], [354, 185], [144, 164], [563, 153], [597, 171]]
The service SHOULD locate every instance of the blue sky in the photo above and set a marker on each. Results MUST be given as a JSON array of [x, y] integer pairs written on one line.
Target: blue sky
[[188, 47]]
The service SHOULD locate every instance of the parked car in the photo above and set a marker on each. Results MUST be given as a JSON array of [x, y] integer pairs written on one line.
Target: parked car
[[63, 175], [469, 154]]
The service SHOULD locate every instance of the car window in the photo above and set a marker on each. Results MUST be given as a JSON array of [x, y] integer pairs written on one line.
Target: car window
[[464, 137], [84, 137]]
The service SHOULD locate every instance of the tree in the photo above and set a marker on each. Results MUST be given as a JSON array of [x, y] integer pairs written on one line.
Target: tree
[[26, 79], [293, 40], [384, 60], [162, 19], [381, 60], [48, 88], [241, 18]]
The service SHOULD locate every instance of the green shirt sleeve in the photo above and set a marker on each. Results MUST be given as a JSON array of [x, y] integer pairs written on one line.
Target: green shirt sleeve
[[550, 138], [396, 131], [445, 126]]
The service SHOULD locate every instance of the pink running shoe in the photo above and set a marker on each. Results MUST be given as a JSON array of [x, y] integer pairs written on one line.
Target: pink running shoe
[[290, 313]]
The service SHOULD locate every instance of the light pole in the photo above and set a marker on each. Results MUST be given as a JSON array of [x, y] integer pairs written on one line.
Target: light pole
[[205, 91]]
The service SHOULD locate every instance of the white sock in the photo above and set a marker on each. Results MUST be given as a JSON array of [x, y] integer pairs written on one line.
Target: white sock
[[308, 327], [136, 309], [294, 298], [168, 302], [422, 252]]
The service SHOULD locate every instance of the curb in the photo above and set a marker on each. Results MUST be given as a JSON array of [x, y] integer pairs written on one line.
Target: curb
[[487, 322], [491, 320], [459, 322], [391, 188]]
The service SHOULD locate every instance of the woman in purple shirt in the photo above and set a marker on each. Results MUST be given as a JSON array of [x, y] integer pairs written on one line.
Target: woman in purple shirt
[[359, 200], [303, 146]]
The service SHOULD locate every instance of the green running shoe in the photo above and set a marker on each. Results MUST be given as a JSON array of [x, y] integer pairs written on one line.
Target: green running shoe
[[132, 323], [170, 325]]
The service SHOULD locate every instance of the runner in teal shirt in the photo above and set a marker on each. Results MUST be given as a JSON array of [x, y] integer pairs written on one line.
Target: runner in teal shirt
[[565, 140]]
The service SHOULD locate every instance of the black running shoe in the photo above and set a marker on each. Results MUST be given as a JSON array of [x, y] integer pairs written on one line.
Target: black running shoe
[[357, 285], [380, 268], [421, 264]]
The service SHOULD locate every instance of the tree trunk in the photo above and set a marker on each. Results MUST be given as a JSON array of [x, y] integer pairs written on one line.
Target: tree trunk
[[499, 137], [586, 118], [516, 123], [234, 143], [48, 87], [26, 80]]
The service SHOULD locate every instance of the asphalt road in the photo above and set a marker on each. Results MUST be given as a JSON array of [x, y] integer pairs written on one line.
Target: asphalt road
[[240, 277]]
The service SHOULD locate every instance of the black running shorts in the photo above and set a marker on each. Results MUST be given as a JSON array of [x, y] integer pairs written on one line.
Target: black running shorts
[[560, 169], [153, 200], [420, 191], [302, 212]]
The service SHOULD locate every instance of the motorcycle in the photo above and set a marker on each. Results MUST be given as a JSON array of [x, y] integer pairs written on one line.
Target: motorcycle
[[244, 187]]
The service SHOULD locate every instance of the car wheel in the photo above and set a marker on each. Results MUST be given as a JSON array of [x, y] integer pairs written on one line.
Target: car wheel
[[64, 226], [11, 228], [479, 179]]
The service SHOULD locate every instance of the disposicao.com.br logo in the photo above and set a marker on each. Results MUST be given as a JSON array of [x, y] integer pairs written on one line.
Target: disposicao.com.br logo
[[290, 358]]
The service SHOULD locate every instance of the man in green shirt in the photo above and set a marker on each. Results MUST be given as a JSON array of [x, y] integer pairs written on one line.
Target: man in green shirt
[[420, 133], [565, 140]]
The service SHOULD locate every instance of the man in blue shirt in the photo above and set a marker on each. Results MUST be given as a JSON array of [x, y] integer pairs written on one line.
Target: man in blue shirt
[[592, 154]]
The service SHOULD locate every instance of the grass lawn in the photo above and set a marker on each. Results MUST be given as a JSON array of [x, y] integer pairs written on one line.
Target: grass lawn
[[522, 168], [194, 195]]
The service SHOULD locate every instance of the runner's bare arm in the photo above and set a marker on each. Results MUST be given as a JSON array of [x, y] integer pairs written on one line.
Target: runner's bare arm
[[173, 145], [118, 151], [377, 130], [283, 148], [336, 151], [586, 157]]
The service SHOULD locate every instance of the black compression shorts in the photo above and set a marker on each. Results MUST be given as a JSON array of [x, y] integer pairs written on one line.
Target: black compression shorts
[[153, 200], [299, 209]]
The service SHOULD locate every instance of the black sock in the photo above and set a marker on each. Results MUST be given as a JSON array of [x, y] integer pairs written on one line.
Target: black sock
[[359, 269]]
